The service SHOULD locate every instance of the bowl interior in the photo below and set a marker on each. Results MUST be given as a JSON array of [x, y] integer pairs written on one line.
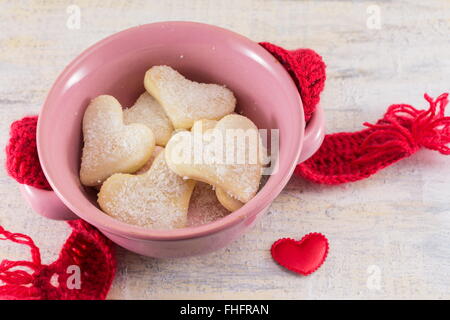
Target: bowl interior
[[116, 66]]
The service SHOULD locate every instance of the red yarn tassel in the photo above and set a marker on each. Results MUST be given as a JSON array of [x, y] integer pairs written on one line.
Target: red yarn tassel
[[87, 254], [86, 250], [346, 157], [351, 156], [12, 273]]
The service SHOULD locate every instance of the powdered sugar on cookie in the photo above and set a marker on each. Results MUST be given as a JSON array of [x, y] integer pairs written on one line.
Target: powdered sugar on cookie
[[236, 168], [109, 145], [204, 207], [156, 199], [186, 101], [147, 186], [149, 112]]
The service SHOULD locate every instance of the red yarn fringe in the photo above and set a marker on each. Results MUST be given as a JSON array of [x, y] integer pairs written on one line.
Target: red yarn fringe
[[16, 281], [346, 157], [86, 250], [87, 254]]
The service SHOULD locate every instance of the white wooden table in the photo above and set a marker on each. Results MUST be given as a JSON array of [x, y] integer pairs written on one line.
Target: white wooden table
[[389, 234]]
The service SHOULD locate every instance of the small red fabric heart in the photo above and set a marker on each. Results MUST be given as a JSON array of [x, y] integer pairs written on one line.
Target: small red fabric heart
[[304, 256]]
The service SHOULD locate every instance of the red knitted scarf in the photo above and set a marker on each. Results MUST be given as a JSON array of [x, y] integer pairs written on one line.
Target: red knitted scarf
[[351, 156], [84, 269], [343, 157]]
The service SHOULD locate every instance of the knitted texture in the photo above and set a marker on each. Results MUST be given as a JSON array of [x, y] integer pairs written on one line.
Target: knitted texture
[[307, 69], [22, 161], [86, 249], [346, 157], [87, 254]]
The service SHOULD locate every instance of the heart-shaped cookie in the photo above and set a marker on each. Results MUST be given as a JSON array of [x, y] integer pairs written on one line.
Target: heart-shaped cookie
[[204, 207], [186, 101], [110, 146], [156, 199], [149, 112], [226, 157], [304, 256], [156, 151]]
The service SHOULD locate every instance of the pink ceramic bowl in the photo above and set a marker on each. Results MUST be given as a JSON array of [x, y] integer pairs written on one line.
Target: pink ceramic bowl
[[116, 66]]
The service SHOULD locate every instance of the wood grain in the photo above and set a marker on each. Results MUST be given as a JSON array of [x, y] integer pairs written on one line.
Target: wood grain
[[397, 221]]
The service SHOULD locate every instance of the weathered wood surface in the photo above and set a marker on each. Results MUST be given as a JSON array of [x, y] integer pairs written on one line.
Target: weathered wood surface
[[395, 225]]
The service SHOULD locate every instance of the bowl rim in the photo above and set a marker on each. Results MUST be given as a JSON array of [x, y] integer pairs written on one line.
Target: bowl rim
[[259, 203]]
